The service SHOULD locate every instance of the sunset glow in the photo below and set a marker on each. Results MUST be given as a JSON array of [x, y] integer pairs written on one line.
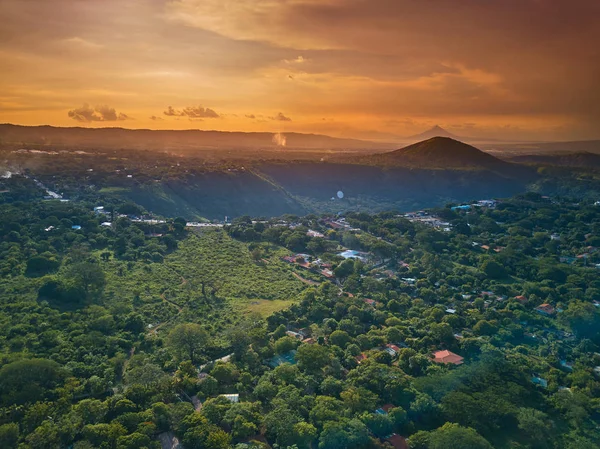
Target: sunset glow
[[378, 70]]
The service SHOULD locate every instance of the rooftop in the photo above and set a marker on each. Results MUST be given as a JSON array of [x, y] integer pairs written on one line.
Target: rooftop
[[446, 356]]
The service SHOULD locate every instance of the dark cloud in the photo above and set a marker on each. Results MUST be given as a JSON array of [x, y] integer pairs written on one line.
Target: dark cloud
[[155, 118], [251, 116], [281, 118], [101, 113], [191, 112]]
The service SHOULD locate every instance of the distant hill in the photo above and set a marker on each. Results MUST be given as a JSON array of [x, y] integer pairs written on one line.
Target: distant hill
[[176, 140], [582, 159], [509, 150], [436, 131], [440, 153]]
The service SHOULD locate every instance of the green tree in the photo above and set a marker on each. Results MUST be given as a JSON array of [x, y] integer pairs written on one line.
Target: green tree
[[493, 269], [87, 276], [29, 380], [285, 344], [339, 338], [9, 435], [313, 358], [583, 318], [453, 436], [344, 434], [536, 425], [187, 340]]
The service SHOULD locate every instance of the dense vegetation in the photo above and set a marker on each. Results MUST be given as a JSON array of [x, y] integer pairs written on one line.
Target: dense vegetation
[[211, 184], [110, 334]]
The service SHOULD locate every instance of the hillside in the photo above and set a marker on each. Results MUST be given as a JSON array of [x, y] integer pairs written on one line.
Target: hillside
[[442, 153], [180, 140], [583, 159]]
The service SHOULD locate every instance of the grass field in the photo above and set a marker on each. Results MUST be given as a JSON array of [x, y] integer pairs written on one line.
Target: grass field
[[264, 307], [234, 285]]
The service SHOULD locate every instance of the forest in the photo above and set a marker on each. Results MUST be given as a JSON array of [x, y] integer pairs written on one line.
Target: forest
[[119, 334]]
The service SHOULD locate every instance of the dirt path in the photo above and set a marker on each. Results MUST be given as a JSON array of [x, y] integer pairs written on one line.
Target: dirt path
[[306, 281], [174, 304], [184, 281]]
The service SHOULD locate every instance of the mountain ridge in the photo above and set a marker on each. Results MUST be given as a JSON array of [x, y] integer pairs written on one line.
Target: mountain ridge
[[440, 153], [111, 137]]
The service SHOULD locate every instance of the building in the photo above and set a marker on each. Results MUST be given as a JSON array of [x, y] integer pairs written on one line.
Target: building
[[295, 335], [397, 441], [446, 356], [522, 299], [232, 397], [392, 350], [545, 309], [539, 381]]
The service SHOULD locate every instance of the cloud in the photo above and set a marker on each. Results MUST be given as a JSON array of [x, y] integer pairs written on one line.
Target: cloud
[[251, 116], [191, 112], [155, 118], [101, 113], [298, 60], [77, 41], [281, 118]]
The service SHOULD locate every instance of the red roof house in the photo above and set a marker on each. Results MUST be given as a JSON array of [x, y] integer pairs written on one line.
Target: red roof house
[[397, 441], [545, 309], [446, 356]]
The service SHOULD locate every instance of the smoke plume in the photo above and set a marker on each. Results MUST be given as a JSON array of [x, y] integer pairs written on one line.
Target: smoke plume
[[279, 139]]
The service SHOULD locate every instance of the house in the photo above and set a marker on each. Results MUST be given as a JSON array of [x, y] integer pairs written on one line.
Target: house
[[539, 381], [545, 309], [384, 409], [309, 341], [295, 335], [370, 302], [463, 207], [555, 237], [522, 299], [397, 441], [451, 311], [327, 273], [566, 365], [485, 247], [232, 397], [312, 233], [392, 350], [76, 227], [446, 356]]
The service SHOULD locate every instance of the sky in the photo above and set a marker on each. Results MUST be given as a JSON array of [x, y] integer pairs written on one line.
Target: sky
[[370, 69]]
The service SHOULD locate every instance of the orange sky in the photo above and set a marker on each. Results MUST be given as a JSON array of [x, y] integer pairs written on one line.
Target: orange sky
[[374, 69]]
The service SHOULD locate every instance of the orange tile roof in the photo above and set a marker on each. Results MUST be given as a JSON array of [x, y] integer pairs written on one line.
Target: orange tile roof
[[446, 356], [397, 441]]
